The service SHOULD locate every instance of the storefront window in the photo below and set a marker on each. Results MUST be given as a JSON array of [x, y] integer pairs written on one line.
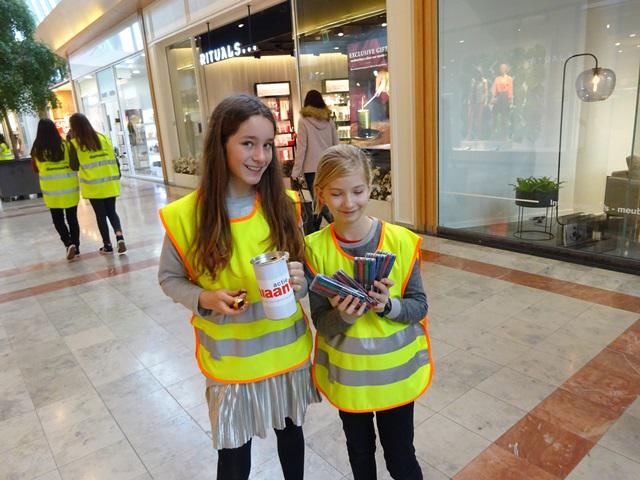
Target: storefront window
[[89, 100], [345, 59], [186, 104], [500, 80], [139, 127], [60, 115]]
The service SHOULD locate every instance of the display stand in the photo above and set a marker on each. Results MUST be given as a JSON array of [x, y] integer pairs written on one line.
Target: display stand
[[535, 235], [336, 96], [277, 96]]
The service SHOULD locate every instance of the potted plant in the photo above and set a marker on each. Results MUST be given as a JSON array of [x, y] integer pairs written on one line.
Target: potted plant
[[539, 192]]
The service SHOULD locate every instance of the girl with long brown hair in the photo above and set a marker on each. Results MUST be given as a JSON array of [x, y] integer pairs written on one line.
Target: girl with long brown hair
[[93, 157], [257, 370]]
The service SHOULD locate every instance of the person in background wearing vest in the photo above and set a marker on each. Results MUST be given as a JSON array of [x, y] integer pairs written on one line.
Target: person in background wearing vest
[[58, 182], [5, 151], [377, 360], [257, 370], [316, 132], [93, 157]]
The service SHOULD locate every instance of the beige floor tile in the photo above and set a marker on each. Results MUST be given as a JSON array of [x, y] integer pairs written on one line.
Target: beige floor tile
[[634, 409], [60, 416], [443, 390], [496, 348], [315, 469], [169, 440], [74, 320], [40, 353], [440, 349], [153, 349], [565, 343], [152, 409], [84, 438], [516, 388], [504, 304], [15, 399], [168, 312], [88, 338], [601, 463], [483, 414], [546, 367], [200, 413], [55, 380], [175, 370], [525, 331], [318, 416], [446, 445], [129, 389], [330, 443], [193, 465], [115, 462], [190, 392], [53, 475], [467, 368], [107, 361], [20, 430], [27, 461], [624, 437]]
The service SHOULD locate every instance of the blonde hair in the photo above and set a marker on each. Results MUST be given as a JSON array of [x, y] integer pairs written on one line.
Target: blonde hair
[[340, 161]]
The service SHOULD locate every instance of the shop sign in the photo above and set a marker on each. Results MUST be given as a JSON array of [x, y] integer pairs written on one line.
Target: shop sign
[[224, 52]]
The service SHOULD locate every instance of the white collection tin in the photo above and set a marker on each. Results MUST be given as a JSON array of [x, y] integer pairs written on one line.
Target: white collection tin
[[274, 282]]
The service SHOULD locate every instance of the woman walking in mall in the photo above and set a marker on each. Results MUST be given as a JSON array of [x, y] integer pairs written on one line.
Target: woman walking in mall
[[58, 182], [99, 171], [316, 133], [257, 370]]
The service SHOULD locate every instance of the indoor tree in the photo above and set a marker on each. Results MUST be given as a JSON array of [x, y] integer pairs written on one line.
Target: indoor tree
[[28, 66]]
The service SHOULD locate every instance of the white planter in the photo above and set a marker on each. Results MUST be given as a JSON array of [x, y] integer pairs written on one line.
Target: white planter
[[187, 181]]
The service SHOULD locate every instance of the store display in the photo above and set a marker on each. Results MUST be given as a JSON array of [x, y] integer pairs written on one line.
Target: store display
[[280, 106], [336, 96]]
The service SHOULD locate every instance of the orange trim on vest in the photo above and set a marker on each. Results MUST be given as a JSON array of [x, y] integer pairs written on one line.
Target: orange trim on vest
[[183, 257], [345, 254], [424, 322], [257, 379], [416, 254]]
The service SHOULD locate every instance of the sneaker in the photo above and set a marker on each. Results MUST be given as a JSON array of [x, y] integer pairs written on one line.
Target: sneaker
[[122, 248], [106, 250], [71, 252]]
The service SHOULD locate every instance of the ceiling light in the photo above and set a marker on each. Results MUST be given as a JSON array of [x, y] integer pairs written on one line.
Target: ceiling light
[[384, 24], [617, 44], [461, 41], [619, 51], [608, 26], [340, 34], [136, 71], [336, 48], [632, 35], [240, 25]]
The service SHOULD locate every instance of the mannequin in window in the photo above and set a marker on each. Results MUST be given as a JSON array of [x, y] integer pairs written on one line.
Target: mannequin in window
[[502, 101], [478, 103]]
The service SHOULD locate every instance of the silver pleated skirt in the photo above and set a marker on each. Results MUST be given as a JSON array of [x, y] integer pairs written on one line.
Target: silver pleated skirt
[[241, 411]]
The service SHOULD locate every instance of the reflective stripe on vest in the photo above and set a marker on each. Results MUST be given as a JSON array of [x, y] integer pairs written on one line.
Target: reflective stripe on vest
[[58, 183], [99, 175], [377, 363], [248, 347], [253, 346], [368, 378]]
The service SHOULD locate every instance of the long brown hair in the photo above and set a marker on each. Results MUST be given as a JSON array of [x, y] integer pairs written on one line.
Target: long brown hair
[[48, 145], [212, 247], [84, 133]]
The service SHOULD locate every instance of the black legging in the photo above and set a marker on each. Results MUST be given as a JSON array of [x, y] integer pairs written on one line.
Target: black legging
[[106, 208], [235, 463], [69, 235]]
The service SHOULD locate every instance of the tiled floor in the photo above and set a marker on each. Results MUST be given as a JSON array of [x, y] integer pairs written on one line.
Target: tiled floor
[[537, 364]]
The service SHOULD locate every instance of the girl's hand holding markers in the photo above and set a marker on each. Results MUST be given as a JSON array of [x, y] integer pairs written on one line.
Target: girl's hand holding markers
[[382, 295]]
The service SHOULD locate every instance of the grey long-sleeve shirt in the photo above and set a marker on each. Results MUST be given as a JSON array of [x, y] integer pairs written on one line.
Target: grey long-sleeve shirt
[[175, 283], [411, 308]]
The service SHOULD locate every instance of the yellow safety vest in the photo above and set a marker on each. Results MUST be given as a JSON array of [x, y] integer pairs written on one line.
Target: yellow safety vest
[[99, 175], [233, 350], [377, 364], [59, 184], [5, 152]]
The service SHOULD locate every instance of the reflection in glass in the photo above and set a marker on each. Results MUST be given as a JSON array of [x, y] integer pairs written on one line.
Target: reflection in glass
[[187, 107]]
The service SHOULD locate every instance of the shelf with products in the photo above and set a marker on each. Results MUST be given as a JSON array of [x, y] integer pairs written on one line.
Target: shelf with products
[[276, 96]]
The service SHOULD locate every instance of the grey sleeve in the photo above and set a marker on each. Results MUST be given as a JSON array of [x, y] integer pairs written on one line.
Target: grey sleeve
[[174, 279], [413, 307]]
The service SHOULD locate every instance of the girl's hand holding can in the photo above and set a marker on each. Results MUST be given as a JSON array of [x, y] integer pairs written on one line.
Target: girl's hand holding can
[[382, 295], [296, 274], [224, 301]]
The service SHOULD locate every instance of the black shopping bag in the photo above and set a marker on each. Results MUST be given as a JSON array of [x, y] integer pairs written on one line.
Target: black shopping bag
[[309, 219]]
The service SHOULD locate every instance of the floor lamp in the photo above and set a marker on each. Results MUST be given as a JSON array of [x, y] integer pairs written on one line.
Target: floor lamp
[[593, 85]]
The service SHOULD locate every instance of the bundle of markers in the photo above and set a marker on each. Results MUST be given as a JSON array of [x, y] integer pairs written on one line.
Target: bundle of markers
[[367, 269]]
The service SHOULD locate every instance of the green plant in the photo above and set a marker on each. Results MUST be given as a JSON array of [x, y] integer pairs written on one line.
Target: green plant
[[536, 184]]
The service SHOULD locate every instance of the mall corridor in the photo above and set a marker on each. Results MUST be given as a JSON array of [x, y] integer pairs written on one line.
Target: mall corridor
[[537, 364]]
